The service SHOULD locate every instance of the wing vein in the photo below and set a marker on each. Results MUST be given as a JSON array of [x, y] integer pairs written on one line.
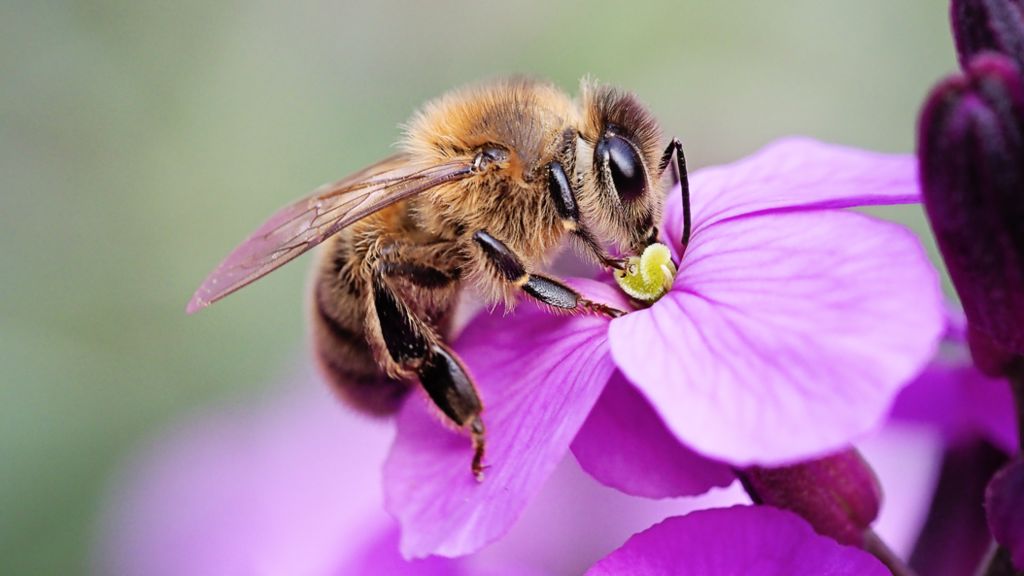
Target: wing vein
[[299, 227]]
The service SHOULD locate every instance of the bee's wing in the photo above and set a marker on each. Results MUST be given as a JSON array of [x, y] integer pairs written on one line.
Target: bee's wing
[[299, 227]]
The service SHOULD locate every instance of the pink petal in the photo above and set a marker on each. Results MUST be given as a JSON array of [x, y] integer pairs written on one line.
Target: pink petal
[[293, 487], [380, 557], [794, 173], [747, 540], [952, 395], [574, 521], [539, 375], [625, 445], [786, 336], [282, 489], [907, 460]]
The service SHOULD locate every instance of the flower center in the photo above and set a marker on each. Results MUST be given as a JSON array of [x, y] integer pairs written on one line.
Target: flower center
[[649, 276]]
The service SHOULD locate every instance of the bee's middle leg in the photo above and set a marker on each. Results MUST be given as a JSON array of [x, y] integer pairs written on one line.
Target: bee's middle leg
[[553, 292], [414, 346]]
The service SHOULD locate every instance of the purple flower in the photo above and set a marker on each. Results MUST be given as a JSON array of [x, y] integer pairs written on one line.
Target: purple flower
[[972, 418], [907, 459], [286, 488], [790, 327], [753, 541], [292, 486], [952, 396]]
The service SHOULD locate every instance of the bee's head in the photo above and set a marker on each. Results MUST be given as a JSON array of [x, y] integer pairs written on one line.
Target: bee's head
[[617, 160]]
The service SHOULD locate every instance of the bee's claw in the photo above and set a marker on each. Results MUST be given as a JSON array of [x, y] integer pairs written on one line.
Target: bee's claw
[[478, 466], [602, 309], [478, 471]]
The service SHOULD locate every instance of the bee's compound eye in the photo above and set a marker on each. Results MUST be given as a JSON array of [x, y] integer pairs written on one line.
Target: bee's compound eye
[[625, 166]]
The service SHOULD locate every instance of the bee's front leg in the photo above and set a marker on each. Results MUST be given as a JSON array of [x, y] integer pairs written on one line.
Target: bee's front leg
[[414, 346], [564, 200], [555, 293]]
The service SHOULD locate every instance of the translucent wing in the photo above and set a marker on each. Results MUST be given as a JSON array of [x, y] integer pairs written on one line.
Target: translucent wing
[[308, 222]]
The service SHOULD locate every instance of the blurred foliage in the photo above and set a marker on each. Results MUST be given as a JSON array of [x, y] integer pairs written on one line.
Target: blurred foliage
[[139, 142]]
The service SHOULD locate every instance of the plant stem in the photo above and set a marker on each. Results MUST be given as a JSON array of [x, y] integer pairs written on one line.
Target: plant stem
[[879, 549], [1016, 377], [998, 564], [955, 538]]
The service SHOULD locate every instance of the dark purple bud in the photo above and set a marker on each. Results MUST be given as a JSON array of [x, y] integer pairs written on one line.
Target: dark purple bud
[[988, 25], [989, 357], [838, 495], [971, 154], [1004, 503]]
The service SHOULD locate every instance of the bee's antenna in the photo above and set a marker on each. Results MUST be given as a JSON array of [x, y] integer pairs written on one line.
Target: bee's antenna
[[679, 172]]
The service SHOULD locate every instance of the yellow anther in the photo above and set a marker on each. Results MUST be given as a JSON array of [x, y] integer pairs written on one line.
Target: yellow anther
[[649, 276]]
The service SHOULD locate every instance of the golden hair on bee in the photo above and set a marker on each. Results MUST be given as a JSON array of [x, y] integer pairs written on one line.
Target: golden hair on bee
[[489, 181], [526, 119], [624, 123]]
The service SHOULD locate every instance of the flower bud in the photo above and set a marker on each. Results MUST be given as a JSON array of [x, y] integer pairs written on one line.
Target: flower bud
[[989, 357], [1004, 504], [838, 495], [971, 155], [988, 25]]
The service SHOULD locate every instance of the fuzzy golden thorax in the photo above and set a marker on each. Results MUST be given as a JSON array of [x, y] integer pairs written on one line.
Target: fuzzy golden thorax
[[527, 119]]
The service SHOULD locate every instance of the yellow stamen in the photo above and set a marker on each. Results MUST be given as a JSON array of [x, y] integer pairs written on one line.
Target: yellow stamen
[[649, 276]]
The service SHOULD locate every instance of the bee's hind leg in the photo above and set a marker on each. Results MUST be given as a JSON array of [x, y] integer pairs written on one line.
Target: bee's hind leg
[[414, 346], [450, 387]]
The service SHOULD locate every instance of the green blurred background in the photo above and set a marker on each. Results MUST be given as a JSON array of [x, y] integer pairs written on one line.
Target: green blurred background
[[138, 144]]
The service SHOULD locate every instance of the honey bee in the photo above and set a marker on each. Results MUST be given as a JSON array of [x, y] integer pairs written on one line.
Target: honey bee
[[488, 182]]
